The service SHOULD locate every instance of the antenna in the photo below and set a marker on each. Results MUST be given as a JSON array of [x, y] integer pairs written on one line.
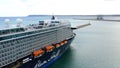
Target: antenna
[[7, 21], [19, 22]]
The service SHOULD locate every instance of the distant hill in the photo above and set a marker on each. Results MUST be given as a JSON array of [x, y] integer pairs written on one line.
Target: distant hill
[[112, 17], [72, 15], [37, 15]]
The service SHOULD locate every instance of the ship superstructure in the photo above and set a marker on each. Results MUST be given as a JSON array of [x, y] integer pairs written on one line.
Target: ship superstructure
[[34, 46]]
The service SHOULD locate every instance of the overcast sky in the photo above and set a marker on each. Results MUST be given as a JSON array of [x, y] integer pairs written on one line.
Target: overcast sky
[[58, 7]]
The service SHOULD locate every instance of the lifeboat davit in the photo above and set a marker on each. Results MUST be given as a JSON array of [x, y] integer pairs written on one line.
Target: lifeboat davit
[[57, 45], [49, 48], [38, 53]]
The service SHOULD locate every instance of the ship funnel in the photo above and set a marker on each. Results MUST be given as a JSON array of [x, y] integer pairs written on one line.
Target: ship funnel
[[7, 21], [53, 17], [19, 22]]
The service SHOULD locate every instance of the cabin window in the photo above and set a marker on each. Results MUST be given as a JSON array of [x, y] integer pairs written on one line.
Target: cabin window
[[0, 32], [2, 55], [0, 59], [41, 22]]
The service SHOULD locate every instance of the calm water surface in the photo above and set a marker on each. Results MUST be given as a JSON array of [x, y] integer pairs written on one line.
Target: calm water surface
[[95, 46]]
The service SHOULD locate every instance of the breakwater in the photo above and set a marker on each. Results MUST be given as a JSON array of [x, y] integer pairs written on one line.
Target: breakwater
[[80, 26]]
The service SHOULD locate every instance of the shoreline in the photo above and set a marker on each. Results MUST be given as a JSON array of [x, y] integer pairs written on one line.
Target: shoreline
[[99, 20]]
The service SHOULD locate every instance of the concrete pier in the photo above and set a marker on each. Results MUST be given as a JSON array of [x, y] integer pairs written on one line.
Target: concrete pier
[[80, 26]]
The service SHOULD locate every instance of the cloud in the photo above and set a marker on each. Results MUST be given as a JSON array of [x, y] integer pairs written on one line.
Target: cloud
[[26, 7], [109, 0]]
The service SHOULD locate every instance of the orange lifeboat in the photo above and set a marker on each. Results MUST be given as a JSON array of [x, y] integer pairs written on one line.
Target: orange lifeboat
[[57, 45], [38, 53], [65, 41], [62, 43], [49, 48]]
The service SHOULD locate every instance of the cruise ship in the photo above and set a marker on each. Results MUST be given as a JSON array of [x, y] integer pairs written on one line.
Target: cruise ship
[[35, 45]]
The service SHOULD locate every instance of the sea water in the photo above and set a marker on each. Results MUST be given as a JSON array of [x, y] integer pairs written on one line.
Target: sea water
[[95, 46]]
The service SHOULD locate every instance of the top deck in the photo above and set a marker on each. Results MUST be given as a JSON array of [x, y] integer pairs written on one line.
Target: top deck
[[39, 25]]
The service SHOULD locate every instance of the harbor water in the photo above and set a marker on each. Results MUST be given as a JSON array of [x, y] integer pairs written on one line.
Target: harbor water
[[95, 46]]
